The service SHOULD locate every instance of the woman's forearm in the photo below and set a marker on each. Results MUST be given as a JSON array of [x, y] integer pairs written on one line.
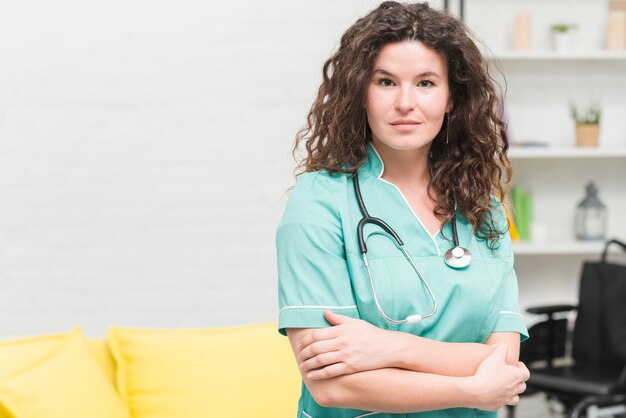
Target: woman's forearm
[[450, 359], [394, 391], [437, 357], [353, 345]]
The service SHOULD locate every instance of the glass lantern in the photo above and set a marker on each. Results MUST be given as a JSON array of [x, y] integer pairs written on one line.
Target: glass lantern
[[590, 220]]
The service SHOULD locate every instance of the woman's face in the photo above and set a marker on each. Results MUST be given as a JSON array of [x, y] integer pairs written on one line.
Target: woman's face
[[407, 96]]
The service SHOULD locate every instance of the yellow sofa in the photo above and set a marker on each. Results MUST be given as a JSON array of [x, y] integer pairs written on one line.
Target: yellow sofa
[[236, 372]]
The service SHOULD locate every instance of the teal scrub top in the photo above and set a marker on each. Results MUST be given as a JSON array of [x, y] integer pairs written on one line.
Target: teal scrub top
[[320, 267]]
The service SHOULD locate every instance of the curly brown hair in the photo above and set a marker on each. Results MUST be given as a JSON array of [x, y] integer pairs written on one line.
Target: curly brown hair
[[470, 167]]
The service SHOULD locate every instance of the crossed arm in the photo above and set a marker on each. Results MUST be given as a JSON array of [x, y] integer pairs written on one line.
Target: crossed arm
[[357, 365]]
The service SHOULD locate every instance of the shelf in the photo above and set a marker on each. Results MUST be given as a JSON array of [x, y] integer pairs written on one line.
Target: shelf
[[555, 248], [517, 153], [547, 55]]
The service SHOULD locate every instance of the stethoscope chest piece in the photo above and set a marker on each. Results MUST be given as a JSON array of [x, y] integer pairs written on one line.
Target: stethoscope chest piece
[[458, 257]]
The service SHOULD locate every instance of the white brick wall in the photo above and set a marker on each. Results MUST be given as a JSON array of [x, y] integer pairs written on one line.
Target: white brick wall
[[145, 155]]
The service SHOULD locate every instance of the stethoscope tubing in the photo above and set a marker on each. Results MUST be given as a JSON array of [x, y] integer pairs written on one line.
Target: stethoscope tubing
[[367, 219]]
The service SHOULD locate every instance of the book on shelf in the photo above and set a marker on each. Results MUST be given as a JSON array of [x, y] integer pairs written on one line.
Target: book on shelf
[[521, 201], [511, 222]]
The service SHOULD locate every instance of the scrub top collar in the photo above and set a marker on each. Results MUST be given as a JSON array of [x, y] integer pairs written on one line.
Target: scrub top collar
[[374, 166]]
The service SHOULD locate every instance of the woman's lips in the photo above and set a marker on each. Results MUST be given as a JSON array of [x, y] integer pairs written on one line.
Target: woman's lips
[[405, 126], [404, 122]]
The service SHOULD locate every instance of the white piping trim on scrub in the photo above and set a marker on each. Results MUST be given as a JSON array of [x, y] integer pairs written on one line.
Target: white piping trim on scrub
[[317, 307], [382, 170], [359, 416], [510, 313]]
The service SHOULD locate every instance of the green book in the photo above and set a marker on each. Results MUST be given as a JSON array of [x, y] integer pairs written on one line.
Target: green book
[[522, 204], [516, 192], [528, 212]]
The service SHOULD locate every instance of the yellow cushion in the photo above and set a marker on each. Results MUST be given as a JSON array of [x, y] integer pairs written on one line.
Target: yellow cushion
[[237, 372], [100, 349], [17, 354], [4, 413], [67, 382]]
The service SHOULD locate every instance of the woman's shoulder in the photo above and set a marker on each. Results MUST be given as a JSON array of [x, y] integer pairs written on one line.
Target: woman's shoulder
[[314, 197], [321, 180], [318, 185]]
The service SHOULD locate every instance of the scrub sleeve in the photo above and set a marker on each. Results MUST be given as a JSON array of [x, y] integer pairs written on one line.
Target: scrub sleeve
[[312, 269]]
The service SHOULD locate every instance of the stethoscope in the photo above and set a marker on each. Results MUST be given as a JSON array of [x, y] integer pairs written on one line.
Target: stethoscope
[[456, 257]]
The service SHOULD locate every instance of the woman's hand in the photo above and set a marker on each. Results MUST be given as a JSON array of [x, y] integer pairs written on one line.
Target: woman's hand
[[496, 383], [350, 346]]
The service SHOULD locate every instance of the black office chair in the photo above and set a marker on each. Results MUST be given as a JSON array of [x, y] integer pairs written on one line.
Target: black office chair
[[594, 385]]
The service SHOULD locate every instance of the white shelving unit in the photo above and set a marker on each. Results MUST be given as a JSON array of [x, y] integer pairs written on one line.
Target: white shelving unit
[[558, 248], [537, 156], [556, 174], [540, 152], [555, 177]]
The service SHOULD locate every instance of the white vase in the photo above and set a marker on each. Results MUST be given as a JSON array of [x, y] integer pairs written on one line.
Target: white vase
[[562, 41]]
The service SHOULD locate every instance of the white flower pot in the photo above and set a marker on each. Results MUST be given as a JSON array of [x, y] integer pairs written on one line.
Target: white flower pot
[[562, 41]]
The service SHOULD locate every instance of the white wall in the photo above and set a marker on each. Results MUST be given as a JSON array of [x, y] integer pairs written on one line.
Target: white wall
[[145, 154]]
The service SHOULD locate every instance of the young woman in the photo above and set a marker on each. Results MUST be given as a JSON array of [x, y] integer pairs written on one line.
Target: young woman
[[396, 280]]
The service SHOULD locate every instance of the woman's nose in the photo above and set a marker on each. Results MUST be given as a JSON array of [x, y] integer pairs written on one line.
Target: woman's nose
[[406, 99]]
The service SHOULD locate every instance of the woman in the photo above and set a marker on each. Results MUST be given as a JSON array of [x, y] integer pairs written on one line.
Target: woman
[[407, 117]]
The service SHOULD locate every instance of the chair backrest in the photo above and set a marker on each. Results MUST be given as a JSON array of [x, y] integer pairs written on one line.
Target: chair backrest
[[600, 328], [546, 342]]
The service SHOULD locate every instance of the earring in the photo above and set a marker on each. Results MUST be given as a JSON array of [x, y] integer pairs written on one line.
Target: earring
[[364, 124], [448, 129]]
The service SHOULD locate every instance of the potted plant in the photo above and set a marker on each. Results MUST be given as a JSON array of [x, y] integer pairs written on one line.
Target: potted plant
[[587, 125], [562, 35]]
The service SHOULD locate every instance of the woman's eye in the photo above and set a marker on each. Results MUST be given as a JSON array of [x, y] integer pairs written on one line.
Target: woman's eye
[[385, 82], [425, 83]]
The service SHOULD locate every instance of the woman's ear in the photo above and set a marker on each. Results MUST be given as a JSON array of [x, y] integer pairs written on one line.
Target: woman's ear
[[449, 106]]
